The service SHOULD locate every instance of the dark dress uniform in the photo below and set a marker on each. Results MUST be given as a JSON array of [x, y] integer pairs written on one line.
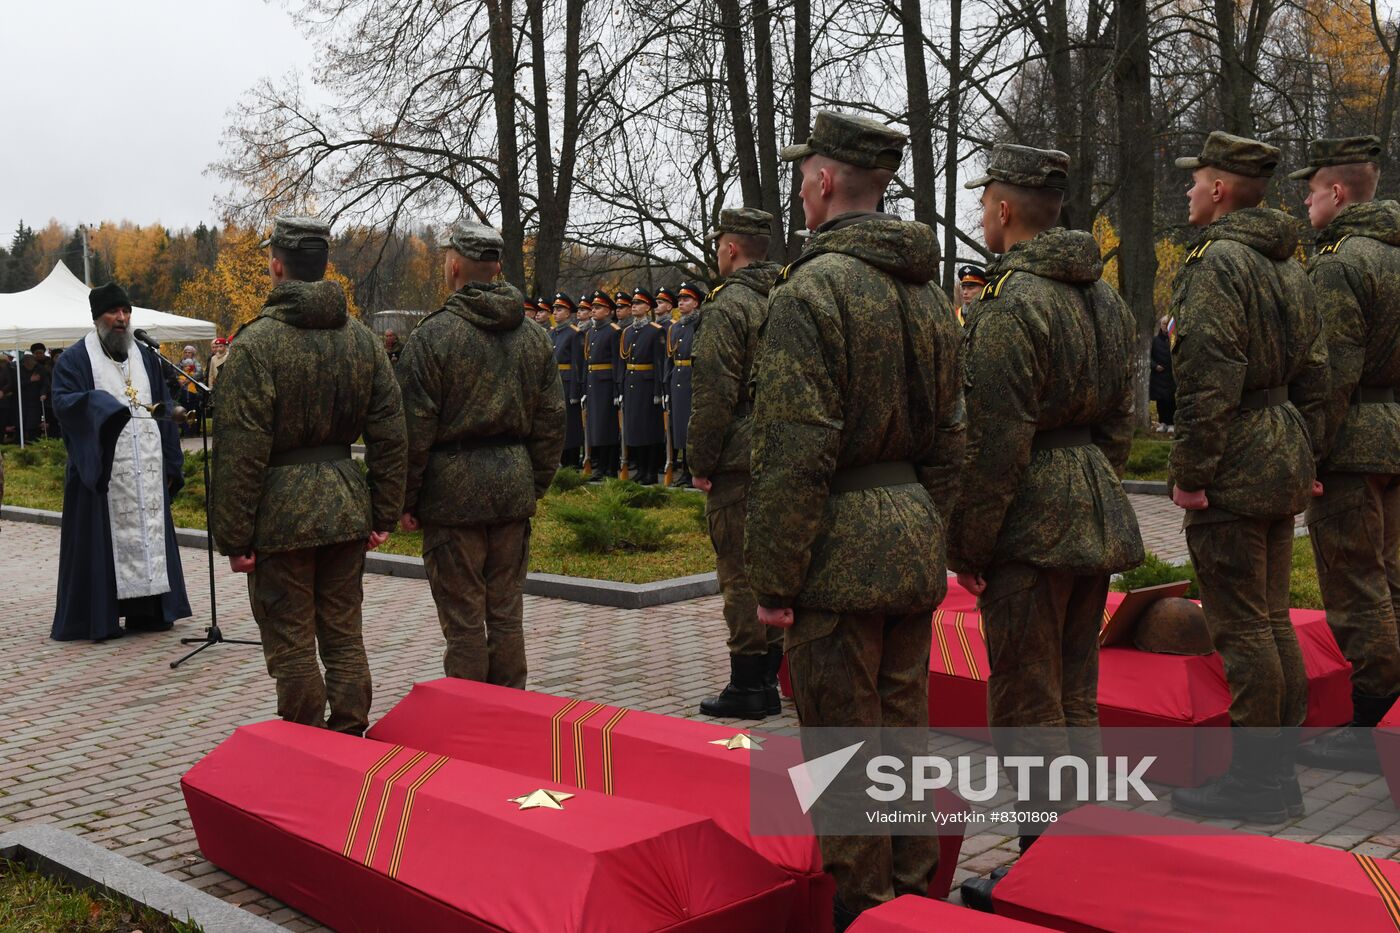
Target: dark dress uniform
[[644, 350], [680, 343], [568, 354], [601, 352]]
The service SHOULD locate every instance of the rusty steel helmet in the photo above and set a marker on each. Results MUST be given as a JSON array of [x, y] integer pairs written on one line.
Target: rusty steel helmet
[[1173, 626]]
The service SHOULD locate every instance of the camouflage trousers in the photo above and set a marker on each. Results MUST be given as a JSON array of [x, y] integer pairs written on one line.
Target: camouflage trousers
[[1043, 652], [1355, 531], [477, 576], [308, 601], [726, 508], [851, 669], [1242, 567]]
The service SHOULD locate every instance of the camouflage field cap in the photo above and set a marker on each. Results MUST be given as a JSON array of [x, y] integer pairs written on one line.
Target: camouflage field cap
[[1348, 150], [1025, 167], [474, 241], [1235, 154], [857, 141], [290, 232], [742, 221]]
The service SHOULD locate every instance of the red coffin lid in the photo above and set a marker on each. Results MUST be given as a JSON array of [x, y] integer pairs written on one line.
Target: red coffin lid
[[599, 863], [642, 756], [1173, 875], [914, 914]]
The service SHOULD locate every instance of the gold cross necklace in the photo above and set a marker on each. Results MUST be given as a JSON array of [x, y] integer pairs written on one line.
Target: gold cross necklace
[[123, 367]]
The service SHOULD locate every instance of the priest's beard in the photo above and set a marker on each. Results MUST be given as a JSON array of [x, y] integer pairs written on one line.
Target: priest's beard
[[117, 341]]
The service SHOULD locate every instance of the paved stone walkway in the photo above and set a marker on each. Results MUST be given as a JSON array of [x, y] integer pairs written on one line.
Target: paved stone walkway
[[94, 738]]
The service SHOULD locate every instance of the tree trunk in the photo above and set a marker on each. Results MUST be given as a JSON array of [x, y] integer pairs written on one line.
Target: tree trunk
[[767, 127], [920, 113], [801, 112], [508, 155], [740, 108], [555, 201], [1137, 253], [950, 158]]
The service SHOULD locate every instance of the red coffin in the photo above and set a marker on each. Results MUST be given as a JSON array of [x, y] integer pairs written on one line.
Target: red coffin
[[912, 914], [633, 754], [1171, 875], [368, 836]]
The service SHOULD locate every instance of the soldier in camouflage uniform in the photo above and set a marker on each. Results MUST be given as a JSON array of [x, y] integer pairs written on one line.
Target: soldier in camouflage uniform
[[568, 355], [719, 441], [485, 412], [857, 445], [1049, 391], [1251, 389], [1355, 524], [303, 382]]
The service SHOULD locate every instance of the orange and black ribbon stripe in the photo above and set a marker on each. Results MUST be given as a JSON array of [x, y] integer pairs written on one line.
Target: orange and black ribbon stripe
[[580, 774], [364, 795], [1384, 887], [413, 789], [967, 647], [556, 757], [384, 802], [942, 643], [608, 728]]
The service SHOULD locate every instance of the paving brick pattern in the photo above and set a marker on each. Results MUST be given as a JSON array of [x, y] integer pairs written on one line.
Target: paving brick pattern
[[94, 738]]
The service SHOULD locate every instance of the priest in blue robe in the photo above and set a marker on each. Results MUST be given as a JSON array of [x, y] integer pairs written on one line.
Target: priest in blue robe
[[118, 557]]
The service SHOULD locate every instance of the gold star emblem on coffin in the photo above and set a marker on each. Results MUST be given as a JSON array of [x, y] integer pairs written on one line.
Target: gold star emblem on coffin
[[542, 799], [740, 740]]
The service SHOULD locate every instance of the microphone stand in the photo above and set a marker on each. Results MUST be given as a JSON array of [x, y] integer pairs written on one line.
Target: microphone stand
[[213, 635]]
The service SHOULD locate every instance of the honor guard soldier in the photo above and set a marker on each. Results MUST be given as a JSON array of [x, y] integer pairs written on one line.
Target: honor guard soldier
[[857, 446], [545, 314], [585, 313], [1049, 391], [303, 382], [644, 352], [568, 354], [665, 307], [485, 414], [680, 343], [971, 281], [623, 301], [602, 353], [719, 438], [1354, 525], [1251, 389]]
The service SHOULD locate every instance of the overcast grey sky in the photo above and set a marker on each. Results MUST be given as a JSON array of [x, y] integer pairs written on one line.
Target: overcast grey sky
[[113, 111]]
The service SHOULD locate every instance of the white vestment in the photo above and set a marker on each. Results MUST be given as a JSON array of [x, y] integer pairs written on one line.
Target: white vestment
[[136, 494]]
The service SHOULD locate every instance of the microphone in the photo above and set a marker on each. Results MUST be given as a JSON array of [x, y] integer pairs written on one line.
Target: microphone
[[141, 335]]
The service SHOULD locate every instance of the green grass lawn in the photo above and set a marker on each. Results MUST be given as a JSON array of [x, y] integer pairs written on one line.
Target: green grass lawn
[[1148, 460], [34, 479], [35, 903]]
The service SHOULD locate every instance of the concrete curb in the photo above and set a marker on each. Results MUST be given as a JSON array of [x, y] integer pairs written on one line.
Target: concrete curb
[[64, 856], [554, 586]]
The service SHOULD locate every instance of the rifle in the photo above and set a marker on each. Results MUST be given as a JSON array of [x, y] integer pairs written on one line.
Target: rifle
[[587, 455], [622, 472], [670, 448]]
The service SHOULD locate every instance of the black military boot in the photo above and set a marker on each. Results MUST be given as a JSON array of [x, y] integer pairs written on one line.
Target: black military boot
[[742, 697], [1353, 748], [977, 892], [1249, 791], [772, 699], [1288, 774]]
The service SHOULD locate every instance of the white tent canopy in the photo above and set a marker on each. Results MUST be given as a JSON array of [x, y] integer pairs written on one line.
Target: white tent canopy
[[56, 312]]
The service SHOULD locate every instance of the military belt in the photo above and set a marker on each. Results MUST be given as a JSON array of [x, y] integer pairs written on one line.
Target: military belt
[[873, 476], [476, 443], [640, 367], [1372, 395], [683, 362], [325, 453], [1056, 438], [599, 367], [565, 367], [1259, 399]]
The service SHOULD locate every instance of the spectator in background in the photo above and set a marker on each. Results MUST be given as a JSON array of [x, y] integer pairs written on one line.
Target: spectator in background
[[392, 346], [188, 397], [1161, 385]]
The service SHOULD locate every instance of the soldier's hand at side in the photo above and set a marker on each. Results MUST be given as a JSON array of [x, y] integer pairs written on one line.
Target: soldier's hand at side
[[701, 483], [974, 583], [778, 618], [1191, 501], [409, 522], [243, 563], [1316, 488], [376, 538]]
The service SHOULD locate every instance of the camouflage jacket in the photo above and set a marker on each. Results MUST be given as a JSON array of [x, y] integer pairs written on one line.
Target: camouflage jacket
[[720, 427], [485, 410], [1247, 320], [858, 364], [304, 374], [1051, 346], [1357, 276]]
